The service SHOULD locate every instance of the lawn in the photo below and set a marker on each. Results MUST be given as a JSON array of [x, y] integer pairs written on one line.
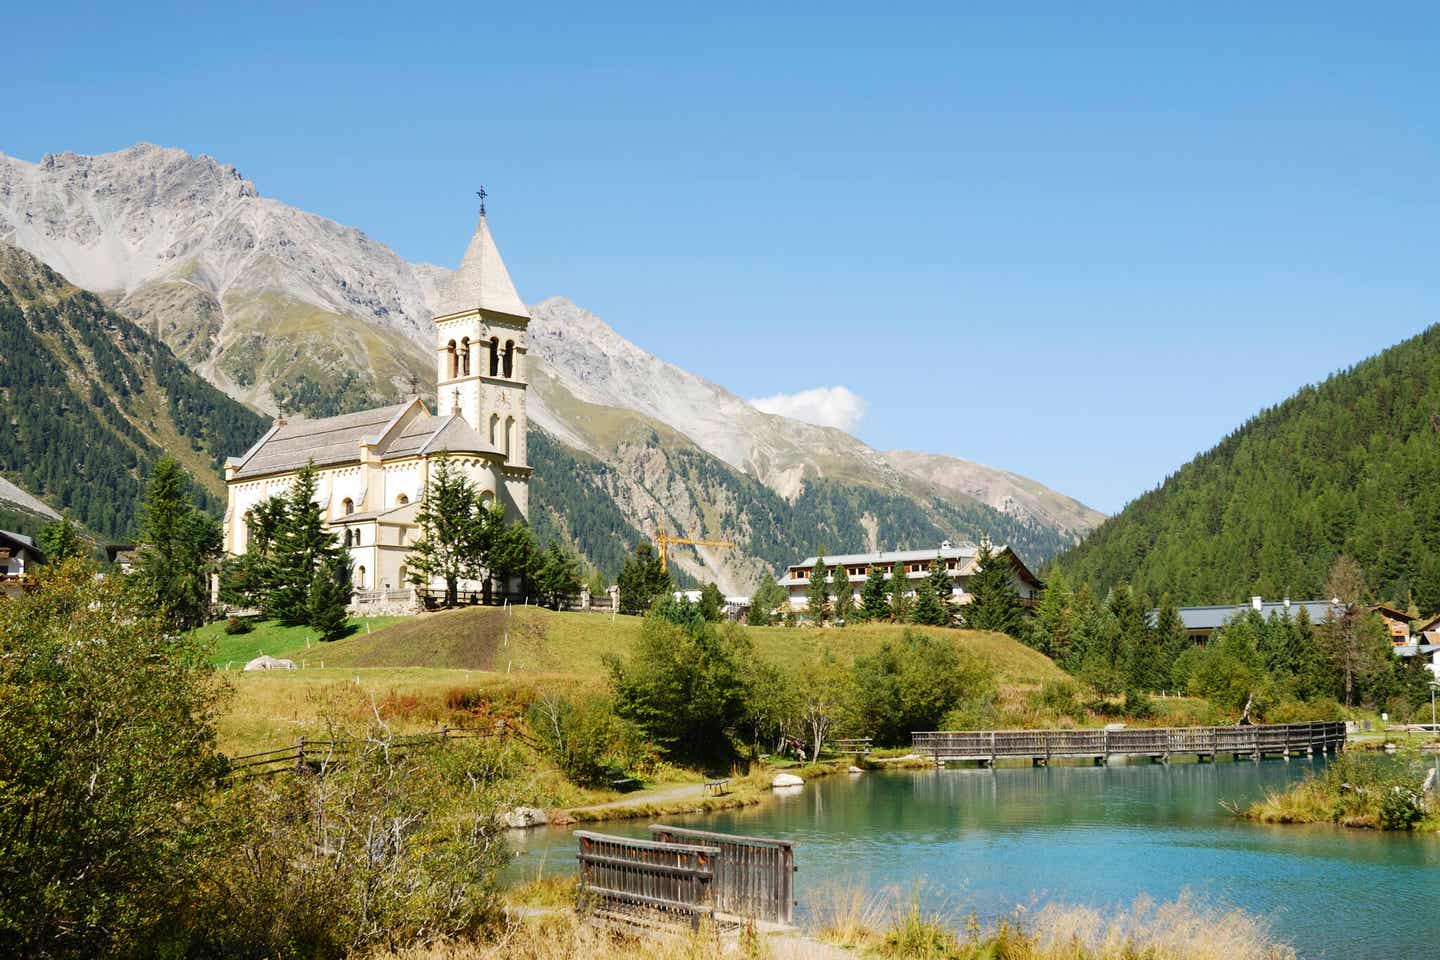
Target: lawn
[[277, 640]]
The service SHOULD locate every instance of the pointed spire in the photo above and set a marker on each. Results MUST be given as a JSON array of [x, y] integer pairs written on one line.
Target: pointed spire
[[482, 280]]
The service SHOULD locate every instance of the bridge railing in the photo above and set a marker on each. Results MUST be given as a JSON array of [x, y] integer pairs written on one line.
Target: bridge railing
[[644, 881], [1282, 738], [754, 876]]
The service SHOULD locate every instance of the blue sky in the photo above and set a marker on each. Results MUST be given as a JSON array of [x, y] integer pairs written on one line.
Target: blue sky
[[1079, 241]]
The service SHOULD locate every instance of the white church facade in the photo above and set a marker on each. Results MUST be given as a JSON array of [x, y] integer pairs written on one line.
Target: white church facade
[[373, 466]]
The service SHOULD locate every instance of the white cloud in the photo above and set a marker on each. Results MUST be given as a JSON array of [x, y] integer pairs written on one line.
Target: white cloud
[[823, 406]]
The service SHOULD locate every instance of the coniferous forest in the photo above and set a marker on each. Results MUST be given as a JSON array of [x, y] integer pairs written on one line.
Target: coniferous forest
[[91, 402], [1347, 466]]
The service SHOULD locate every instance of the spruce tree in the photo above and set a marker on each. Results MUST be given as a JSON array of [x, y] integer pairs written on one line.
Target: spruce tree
[[994, 603], [844, 608], [1049, 631], [874, 596], [559, 579], [328, 598], [817, 595], [769, 596], [712, 603], [929, 609], [302, 547], [177, 549], [1172, 641], [454, 530], [641, 580], [943, 586], [899, 587]]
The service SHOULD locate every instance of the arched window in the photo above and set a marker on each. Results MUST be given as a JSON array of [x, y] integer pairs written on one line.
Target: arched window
[[348, 506], [494, 356], [404, 576], [450, 357], [402, 500], [509, 359], [487, 500], [509, 436], [495, 430], [360, 577], [349, 538], [465, 357]]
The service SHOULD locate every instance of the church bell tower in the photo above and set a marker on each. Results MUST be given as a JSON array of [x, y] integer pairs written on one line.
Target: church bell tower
[[480, 348]]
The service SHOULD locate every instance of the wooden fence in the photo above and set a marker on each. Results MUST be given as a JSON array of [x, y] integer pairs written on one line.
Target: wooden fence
[[754, 876], [1040, 746], [644, 881], [316, 755]]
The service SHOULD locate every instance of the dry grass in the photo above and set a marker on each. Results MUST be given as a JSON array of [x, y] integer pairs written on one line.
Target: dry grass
[[850, 922]]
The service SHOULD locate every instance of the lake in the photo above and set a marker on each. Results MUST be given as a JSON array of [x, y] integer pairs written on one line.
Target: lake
[[988, 840]]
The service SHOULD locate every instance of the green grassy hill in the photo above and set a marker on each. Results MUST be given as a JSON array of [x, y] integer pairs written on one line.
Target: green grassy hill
[[539, 641], [1346, 466]]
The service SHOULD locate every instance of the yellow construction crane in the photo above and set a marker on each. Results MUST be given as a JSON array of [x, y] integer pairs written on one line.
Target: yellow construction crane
[[663, 541]]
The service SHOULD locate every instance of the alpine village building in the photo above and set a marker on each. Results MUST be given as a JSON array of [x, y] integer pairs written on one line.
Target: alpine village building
[[961, 563], [374, 466]]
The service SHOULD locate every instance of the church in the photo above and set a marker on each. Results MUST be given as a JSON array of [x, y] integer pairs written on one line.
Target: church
[[374, 465]]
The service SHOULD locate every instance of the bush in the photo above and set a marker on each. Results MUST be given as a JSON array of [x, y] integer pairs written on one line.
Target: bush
[[1061, 697], [1139, 705], [584, 737], [1401, 808], [386, 849], [914, 684], [238, 625], [106, 755]]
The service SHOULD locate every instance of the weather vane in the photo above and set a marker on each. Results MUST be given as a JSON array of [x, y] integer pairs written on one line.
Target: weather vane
[[482, 195]]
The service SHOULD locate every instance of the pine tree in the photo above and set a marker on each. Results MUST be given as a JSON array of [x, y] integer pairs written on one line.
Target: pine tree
[[60, 542], [177, 549], [817, 595], [844, 609], [455, 530], [994, 603], [302, 546], [899, 587], [1144, 665], [329, 595], [874, 596]]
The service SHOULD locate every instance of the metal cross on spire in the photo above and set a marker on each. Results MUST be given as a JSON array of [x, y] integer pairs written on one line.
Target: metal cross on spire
[[482, 195]]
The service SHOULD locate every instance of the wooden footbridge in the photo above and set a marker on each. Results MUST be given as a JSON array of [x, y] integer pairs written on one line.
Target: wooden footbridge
[[1157, 743]]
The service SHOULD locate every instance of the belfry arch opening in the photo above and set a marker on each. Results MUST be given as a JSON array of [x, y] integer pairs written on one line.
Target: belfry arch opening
[[509, 359], [450, 360], [494, 356], [465, 357]]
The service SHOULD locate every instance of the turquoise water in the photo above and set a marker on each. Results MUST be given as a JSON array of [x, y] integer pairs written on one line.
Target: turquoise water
[[987, 840]]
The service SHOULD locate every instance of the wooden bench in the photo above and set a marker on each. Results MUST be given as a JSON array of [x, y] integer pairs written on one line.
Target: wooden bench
[[617, 779], [716, 788], [856, 745]]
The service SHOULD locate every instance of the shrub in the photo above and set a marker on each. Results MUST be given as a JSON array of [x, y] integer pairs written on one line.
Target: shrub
[[1138, 705], [914, 684], [584, 737], [1061, 697], [106, 753], [1401, 808], [237, 625]]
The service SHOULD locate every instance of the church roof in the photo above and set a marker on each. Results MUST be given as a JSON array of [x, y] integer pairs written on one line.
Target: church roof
[[482, 280], [335, 440]]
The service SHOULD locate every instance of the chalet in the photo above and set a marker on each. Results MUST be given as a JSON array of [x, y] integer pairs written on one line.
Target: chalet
[[1428, 631], [961, 563], [1397, 623], [18, 554], [1202, 622]]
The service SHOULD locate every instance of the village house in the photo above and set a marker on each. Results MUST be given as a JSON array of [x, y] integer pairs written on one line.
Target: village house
[[18, 554], [374, 465], [961, 563], [1202, 622]]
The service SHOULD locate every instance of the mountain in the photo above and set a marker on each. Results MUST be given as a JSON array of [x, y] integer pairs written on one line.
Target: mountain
[[283, 309], [277, 307], [1348, 465], [90, 402]]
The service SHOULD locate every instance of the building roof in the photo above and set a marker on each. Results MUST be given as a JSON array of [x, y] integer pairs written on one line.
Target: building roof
[[336, 440], [964, 551], [482, 280], [1428, 625], [1215, 617], [20, 540]]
